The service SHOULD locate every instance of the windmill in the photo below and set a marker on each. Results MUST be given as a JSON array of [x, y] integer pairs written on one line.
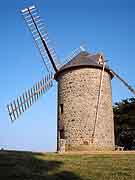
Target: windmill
[[85, 116]]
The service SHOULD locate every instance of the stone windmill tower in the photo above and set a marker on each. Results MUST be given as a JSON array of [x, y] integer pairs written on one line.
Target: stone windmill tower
[[85, 115]]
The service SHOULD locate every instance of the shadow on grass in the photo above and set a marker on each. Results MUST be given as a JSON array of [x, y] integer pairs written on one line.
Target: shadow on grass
[[27, 166]]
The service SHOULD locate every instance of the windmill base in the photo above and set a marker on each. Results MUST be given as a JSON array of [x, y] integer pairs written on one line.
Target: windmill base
[[63, 147]]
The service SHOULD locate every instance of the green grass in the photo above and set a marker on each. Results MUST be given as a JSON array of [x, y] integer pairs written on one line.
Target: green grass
[[51, 166]]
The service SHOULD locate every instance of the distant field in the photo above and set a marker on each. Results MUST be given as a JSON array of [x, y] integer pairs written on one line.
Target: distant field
[[51, 166]]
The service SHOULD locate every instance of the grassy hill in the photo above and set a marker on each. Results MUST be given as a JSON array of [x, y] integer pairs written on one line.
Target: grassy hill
[[51, 166]]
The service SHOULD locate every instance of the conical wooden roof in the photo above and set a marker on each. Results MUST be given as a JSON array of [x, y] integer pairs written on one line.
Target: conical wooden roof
[[84, 59]]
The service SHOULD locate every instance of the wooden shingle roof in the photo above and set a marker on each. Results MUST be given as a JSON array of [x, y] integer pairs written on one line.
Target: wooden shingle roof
[[83, 59]]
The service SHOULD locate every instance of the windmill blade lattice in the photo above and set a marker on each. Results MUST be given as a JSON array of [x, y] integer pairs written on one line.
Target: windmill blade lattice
[[123, 81], [22, 103], [74, 53], [40, 36]]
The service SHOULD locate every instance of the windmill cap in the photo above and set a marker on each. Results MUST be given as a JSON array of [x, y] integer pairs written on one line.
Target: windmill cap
[[84, 60]]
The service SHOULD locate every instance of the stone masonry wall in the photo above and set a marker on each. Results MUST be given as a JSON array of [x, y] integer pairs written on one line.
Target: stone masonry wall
[[77, 100]]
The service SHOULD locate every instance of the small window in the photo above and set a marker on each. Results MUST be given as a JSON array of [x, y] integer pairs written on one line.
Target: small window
[[85, 142], [62, 135], [61, 108]]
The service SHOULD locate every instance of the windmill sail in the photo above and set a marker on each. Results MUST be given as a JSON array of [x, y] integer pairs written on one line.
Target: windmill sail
[[123, 81], [40, 36], [22, 103], [74, 53]]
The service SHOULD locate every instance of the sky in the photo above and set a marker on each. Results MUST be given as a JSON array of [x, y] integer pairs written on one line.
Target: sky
[[102, 25]]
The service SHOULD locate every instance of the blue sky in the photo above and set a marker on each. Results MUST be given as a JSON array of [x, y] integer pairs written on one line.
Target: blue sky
[[106, 26]]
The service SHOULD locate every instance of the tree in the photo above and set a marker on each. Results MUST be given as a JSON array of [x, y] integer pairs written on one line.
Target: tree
[[124, 120]]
